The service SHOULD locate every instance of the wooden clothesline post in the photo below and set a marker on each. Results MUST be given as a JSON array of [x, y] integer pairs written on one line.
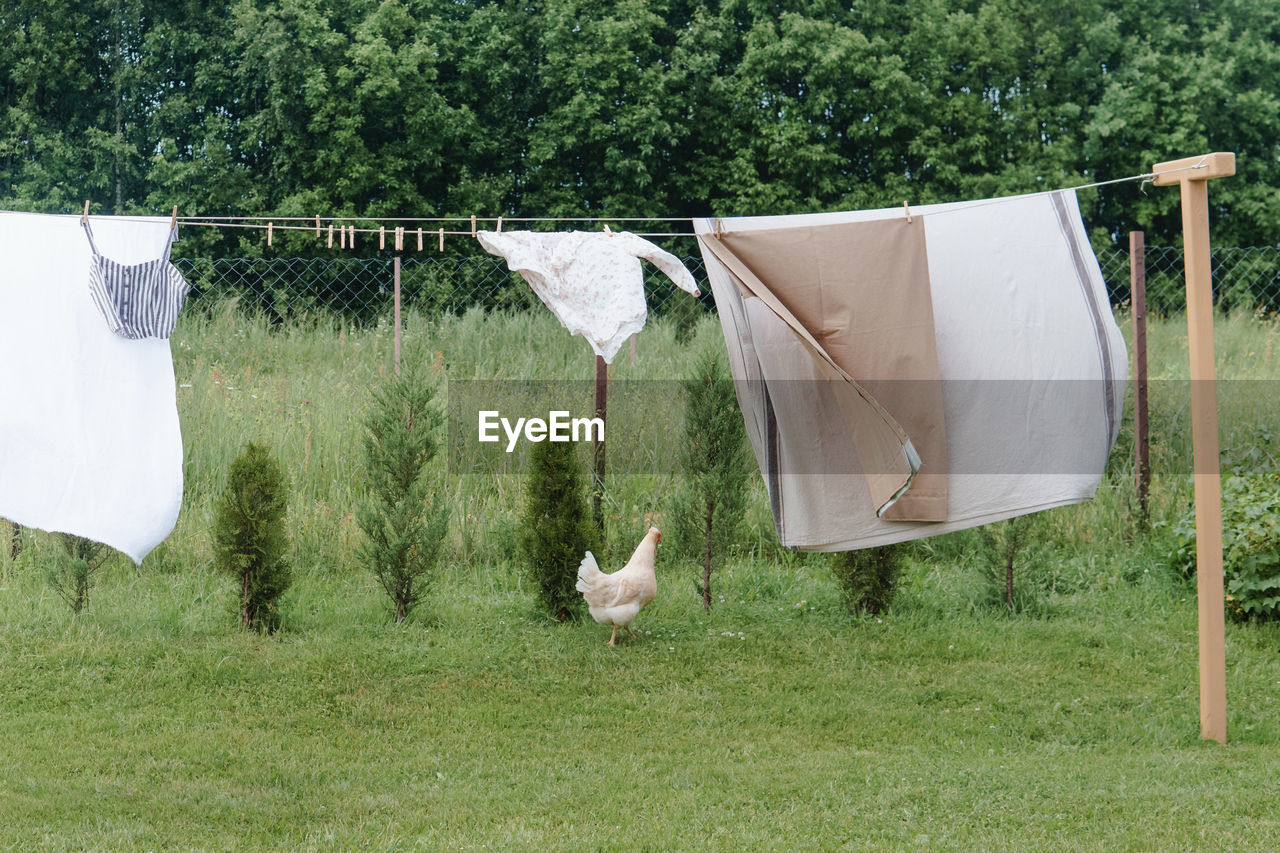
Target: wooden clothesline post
[[1192, 175]]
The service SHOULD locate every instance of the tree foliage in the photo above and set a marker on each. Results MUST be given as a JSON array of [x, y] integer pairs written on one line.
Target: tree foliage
[[405, 518], [710, 501], [868, 578], [556, 529], [631, 108], [250, 542]]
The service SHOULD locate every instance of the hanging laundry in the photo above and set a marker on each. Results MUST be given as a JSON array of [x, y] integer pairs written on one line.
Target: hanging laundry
[[137, 300], [591, 281], [902, 379], [90, 442]]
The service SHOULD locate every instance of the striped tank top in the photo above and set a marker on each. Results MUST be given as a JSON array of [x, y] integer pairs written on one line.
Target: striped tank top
[[137, 300]]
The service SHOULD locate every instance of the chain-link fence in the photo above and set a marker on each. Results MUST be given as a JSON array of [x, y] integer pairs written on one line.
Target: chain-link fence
[[361, 288], [1244, 278]]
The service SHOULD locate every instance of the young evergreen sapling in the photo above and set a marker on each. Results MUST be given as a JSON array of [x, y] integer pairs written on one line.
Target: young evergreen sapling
[[556, 530], [1005, 544], [711, 499], [868, 578], [71, 574], [405, 518], [249, 537]]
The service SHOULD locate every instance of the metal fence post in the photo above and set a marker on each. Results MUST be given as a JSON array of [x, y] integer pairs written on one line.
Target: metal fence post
[[396, 298], [597, 444], [1141, 430]]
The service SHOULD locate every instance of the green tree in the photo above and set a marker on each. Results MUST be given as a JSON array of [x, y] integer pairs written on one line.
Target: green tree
[[603, 144], [619, 107], [556, 529], [711, 498], [1194, 79], [868, 578], [405, 518], [249, 537]]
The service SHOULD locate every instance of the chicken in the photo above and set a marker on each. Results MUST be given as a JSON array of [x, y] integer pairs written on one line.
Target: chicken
[[615, 599]]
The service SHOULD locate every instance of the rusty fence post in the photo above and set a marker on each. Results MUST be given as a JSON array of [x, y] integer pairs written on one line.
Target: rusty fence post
[[1141, 426], [597, 443], [396, 299]]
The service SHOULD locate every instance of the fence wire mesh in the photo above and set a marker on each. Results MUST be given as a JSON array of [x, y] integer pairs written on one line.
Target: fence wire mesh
[[361, 288]]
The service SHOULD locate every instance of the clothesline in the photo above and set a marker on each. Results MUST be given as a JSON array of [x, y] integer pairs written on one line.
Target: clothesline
[[343, 229]]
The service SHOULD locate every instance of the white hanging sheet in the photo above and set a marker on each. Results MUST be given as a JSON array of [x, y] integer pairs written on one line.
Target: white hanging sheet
[[1026, 403], [90, 442]]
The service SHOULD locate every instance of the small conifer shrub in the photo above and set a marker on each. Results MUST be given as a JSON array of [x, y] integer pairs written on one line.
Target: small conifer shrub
[[405, 518], [711, 499], [71, 573], [249, 538], [868, 578], [1006, 546], [556, 529]]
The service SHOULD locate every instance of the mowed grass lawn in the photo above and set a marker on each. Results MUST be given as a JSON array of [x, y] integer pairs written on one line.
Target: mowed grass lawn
[[775, 721]]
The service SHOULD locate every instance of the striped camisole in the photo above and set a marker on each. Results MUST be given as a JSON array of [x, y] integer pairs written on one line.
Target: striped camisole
[[137, 300]]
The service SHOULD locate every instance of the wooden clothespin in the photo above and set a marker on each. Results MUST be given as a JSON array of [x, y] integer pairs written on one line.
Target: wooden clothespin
[[352, 240], [719, 226], [473, 225], [606, 229], [84, 217], [399, 238], [906, 210], [419, 239], [342, 236], [270, 231], [499, 224], [382, 237], [442, 239], [317, 225], [330, 246], [173, 220]]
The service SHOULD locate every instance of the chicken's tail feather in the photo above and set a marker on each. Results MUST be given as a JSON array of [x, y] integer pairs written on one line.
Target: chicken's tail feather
[[588, 571]]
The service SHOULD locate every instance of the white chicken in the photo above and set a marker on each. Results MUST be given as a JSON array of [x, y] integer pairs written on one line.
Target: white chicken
[[615, 599]]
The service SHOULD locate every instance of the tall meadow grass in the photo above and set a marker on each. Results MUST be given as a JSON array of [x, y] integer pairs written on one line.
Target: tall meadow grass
[[302, 389]]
